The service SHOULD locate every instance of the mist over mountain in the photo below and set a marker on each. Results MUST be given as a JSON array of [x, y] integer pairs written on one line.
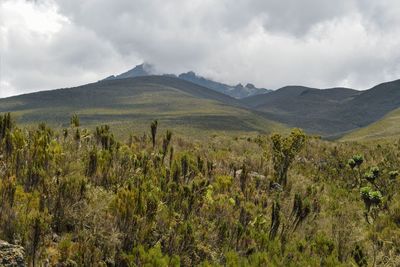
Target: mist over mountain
[[138, 71], [238, 91], [329, 112]]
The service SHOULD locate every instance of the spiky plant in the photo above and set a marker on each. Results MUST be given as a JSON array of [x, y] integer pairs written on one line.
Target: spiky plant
[[166, 142], [153, 127], [358, 160], [75, 122]]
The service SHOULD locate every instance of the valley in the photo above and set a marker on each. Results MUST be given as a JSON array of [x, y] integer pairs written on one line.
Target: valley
[[189, 103], [148, 133]]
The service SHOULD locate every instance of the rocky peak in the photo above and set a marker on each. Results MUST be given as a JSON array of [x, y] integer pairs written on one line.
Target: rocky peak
[[250, 86], [239, 86], [188, 74]]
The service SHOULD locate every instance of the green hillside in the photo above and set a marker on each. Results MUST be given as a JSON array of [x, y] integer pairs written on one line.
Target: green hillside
[[308, 108], [387, 127], [130, 104], [330, 112]]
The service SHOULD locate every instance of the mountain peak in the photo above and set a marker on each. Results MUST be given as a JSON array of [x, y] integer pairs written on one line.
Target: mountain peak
[[238, 91], [250, 86], [144, 69], [191, 73]]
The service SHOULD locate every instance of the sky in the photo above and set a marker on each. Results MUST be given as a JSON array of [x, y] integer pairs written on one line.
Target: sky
[[48, 44]]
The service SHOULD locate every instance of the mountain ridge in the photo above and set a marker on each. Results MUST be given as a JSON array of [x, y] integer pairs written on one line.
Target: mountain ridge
[[331, 112], [385, 128], [328, 111], [133, 102], [238, 91]]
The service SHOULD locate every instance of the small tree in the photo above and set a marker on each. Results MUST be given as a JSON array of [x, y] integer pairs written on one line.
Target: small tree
[[284, 151], [355, 162], [372, 175], [371, 199], [275, 220]]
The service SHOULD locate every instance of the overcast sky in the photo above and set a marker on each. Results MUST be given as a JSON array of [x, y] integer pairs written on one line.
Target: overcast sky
[[48, 44]]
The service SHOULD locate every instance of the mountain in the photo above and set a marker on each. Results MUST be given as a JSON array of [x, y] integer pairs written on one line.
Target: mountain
[[138, 71], [133, 102], [239, 91], [330, 111], [371, 105], [305, 107], [193, 102], [387, 127]]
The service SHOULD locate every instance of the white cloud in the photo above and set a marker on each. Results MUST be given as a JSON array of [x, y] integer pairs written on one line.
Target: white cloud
[[42, 49], [321, 43]]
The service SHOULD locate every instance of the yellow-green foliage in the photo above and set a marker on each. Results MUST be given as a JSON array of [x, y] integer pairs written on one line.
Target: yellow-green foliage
[[89, 199]]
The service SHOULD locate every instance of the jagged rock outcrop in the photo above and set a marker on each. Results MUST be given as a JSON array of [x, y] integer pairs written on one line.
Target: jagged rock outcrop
[[11, 255]]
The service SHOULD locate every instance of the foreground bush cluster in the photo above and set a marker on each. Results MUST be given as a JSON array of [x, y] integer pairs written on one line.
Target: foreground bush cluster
[[78, 197]]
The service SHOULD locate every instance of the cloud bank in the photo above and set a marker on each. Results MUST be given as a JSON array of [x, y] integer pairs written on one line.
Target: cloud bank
[[48, 44]]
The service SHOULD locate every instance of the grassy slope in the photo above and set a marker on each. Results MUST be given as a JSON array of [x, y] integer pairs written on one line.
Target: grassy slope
[[131, 104], [329, 112], [305, 107], [387, 127]]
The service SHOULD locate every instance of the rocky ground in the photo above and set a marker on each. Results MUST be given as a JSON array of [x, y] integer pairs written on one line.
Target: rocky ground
[[11, 255]]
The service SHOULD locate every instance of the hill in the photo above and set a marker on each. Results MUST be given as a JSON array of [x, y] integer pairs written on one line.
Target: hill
[[387, 127], [174, 102], [371, 105], [329, 111], [305, 107], [184, 105]]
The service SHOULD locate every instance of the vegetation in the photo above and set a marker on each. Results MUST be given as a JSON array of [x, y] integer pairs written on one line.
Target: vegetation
[[80, 197], [129, 104], [333, 112], [387, 128]]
